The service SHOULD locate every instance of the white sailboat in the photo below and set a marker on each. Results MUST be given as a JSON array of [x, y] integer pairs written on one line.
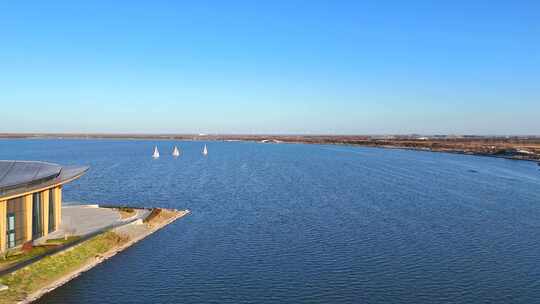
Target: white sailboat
[[176, 152], [156, 153], [205, 151]]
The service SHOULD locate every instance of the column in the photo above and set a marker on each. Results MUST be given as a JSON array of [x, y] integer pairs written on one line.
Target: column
[[27, 211], [45, 211], [58, 206]]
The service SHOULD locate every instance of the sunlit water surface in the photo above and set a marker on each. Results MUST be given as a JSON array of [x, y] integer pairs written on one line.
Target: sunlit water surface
[[292, 223]]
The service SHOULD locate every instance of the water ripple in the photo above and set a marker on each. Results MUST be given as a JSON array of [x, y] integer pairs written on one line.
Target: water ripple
[[308, 224]]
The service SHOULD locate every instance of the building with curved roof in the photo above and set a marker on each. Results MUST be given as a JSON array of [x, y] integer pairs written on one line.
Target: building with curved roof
[[31, 199]]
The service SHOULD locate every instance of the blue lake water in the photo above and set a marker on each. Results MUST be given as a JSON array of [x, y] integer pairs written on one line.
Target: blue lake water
[[292, 223]]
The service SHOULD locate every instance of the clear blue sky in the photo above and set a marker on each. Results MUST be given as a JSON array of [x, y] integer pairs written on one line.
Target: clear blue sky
[[270, 66]]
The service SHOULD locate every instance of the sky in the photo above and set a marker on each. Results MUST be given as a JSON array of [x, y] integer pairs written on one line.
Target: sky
[[280, 67]]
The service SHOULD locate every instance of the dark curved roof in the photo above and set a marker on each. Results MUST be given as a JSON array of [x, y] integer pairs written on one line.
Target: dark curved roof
[[21, 176]]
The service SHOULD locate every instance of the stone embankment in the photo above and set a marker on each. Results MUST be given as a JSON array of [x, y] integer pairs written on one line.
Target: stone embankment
[[123, 237]]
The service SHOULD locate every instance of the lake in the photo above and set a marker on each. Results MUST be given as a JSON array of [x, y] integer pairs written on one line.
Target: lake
[[295, 223]]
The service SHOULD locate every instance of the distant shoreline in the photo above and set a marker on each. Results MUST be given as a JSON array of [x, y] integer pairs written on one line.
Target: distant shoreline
[[126, 235], [508, 147]]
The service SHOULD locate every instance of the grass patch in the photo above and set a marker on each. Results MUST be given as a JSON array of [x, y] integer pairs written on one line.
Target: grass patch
[[49, 269], [154, 214], [18, 256], [63, 241], [126, 212], [159, 216]]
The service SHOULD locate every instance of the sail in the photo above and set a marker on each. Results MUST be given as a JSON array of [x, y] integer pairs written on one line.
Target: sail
[[176, 152], [156, 152], [205, 150]]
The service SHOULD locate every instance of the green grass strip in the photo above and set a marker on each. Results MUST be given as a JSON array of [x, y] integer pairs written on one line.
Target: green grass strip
[[49, 269]]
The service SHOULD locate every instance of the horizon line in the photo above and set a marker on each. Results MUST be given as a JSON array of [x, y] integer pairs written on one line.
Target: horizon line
[[212, 134]]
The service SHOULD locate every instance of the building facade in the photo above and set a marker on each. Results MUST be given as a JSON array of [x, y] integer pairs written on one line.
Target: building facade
[[31, 200]]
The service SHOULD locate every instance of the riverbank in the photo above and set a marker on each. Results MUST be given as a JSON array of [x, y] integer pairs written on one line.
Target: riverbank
[[33, 281], [509, 147]]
